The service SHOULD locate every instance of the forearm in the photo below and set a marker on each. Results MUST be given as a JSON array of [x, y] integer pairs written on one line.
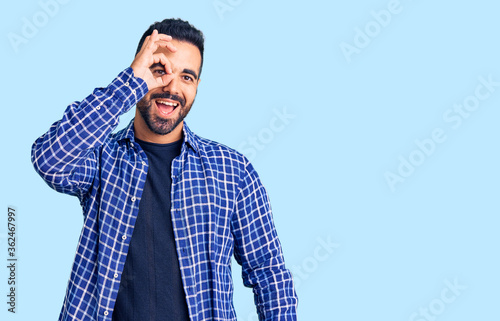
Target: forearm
[[70, 142], [273, 288], [272, 282], [258, 250]]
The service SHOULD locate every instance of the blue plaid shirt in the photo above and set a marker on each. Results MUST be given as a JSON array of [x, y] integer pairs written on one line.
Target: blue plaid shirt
[[219, 206]]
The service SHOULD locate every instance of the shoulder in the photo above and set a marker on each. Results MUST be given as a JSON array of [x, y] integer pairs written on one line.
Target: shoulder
[[219, 156], [229, 164], [213, 149]]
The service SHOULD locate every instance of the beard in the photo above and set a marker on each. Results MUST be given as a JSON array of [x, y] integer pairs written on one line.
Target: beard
[[160, 125]]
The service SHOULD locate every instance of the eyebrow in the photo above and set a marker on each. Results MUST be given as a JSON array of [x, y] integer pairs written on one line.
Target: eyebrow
[[185, 71], [157, 65], [191, 72]]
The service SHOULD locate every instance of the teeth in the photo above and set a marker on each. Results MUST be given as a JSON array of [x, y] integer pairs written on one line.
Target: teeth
[[167, 103]]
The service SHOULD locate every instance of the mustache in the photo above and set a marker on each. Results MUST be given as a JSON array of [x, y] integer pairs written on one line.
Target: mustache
[[167, 95]]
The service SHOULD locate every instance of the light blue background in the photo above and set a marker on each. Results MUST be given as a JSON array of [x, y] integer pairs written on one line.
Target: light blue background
[[396, 251]]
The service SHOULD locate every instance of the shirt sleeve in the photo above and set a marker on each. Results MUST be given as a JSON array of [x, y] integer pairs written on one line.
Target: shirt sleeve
[[66, 156], [258, 250]]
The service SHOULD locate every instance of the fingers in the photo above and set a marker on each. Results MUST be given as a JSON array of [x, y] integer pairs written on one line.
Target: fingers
[[165, 79], [170, 46], [165, 44], [149, 56], [160, 36], [162, 59], [156, 40], [164, 37]]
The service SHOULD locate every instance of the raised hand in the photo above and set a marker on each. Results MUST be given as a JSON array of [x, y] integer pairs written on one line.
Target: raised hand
[[148, 56]]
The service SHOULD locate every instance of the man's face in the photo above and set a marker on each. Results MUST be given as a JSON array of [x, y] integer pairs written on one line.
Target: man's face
[[163, 108]]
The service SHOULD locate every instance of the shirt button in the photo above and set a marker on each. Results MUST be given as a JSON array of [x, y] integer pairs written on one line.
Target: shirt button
[[133, 199], [106, 312], [133, 90], [98, 107], [124, 237], [126, 84], [144, 163], [116, 275]]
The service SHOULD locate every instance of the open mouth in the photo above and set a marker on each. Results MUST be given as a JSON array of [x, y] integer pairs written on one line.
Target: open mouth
[[166, 107]]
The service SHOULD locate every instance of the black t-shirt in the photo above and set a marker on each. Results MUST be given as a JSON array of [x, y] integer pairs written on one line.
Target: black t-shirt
[[151, 284]]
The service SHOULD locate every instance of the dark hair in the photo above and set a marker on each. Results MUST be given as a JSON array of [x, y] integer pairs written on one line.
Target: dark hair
[[180, 30]]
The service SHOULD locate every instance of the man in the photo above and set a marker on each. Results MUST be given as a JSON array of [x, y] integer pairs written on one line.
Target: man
[[164, 209]]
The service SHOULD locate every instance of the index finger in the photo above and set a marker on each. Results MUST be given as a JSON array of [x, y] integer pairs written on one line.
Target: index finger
[[170, 46], [156, 35], [162, 36]]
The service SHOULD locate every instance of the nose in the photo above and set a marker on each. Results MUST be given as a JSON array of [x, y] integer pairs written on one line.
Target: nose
[[172, 86]]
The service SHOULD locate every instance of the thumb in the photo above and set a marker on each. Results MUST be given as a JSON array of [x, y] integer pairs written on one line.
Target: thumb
[[165, 79]]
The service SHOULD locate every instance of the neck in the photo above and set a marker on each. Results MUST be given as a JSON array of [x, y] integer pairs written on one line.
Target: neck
[[143, 133]]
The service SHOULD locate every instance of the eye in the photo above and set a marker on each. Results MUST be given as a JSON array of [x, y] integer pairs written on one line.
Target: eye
[[159, 71], [187, 78]]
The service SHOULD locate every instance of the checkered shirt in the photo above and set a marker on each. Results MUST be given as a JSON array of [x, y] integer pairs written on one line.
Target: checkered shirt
[[219, 208]]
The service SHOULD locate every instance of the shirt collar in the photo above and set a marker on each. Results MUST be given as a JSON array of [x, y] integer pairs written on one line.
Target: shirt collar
[[190, 138]]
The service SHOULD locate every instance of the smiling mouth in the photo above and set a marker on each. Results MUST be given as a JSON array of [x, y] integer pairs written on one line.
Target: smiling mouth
[[166, 107]]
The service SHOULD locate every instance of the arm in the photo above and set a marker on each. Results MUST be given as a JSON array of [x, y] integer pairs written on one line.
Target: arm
[[66, 156], [258, 250]]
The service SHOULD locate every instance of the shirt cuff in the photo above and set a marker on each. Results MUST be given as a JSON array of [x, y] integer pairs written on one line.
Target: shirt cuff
[[128, 88]]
